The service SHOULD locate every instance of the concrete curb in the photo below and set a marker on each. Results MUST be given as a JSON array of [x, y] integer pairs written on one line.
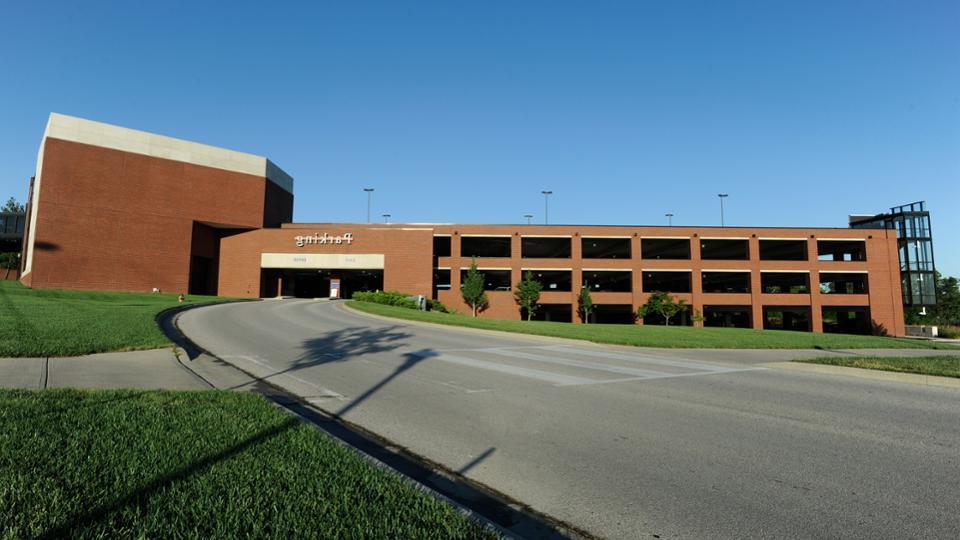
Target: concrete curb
[[874, 374]]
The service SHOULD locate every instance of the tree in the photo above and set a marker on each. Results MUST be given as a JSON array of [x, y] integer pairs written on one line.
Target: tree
[[661, 303], [528, 294], [586, 303], [947, 310], [12, 206], [9, 261], [472, 289]]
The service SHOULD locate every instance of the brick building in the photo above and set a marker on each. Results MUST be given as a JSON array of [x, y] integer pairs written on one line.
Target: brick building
[[116, 209]]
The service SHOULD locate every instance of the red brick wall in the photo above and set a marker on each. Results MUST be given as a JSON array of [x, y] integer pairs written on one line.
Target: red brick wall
[[115, 220], [409, 269], [407, 255]]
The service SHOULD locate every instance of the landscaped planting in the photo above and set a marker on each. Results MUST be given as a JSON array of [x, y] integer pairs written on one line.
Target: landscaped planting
[[658, 336]]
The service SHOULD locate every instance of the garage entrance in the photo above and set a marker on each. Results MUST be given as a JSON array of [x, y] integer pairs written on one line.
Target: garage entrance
[[304, 283]]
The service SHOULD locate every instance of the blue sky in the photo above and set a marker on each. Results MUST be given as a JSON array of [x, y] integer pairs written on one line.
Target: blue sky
[[464, 111]]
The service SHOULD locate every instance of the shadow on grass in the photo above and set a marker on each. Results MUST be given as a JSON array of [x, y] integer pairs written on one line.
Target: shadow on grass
[[141, 496]]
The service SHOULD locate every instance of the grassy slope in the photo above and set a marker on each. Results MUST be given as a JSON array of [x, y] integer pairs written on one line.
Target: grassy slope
[[658, 336], [130, 464], [943, 366], [38, 322]]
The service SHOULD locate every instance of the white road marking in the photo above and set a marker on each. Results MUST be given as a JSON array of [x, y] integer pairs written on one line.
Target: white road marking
[[595, 366], [689, 364], [546, 376]]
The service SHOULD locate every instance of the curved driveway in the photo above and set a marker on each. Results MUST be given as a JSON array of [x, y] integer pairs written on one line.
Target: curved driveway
[[621, 442]]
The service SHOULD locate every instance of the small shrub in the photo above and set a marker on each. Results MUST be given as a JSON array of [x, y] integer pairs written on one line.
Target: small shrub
[[390, 298], [949, 332], [436, 305]]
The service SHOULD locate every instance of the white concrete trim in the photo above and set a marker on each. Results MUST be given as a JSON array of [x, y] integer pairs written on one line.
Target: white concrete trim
[[776, 238], [689, 237], [325, 261], [486, 236], [724, 238], [607, 237], [524, 269], [442, 235], [606, 269], [79, 130], [487, 268], [729, 270], [546, 236], [822, 271], [784, 271], [666, 269], [843, 239]]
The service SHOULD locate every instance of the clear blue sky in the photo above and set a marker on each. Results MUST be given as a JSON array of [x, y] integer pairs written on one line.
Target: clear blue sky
[[464, 111]]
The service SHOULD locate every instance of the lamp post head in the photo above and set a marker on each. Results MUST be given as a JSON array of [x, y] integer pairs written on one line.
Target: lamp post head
[[547, 192], [368, 189], [722, 195]]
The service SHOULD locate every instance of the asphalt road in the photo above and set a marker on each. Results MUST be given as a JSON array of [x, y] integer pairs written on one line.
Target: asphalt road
[[624, 443]]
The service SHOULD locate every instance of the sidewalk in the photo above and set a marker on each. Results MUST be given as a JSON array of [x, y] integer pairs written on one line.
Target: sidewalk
[[151, 369]]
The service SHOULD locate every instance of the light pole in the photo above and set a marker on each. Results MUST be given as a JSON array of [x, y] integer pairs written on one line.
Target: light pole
[[369, 191], [722, 197], [529, 217], [669, 220], [546, 206], [386, 218]]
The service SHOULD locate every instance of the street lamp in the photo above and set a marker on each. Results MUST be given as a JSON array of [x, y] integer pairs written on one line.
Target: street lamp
[[546, 206], [529, 217], [722, 197], [669, 220], [386, 218], [369, 191]]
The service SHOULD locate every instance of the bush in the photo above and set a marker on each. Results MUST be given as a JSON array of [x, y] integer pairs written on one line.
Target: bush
[[436, 305], [390, 298], [949, 332]]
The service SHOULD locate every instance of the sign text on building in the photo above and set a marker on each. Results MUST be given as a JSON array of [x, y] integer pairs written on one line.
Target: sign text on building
[[319, 239]]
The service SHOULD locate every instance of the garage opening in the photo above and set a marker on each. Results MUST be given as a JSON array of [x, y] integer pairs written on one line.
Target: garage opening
[[786, 318], [785, 282], [725, 250], [841, 250], [314, 283], [544, 247], [665, 248], [727, 316], [608, 280], [613, 314], [665, 281], [726, 282], [552, 280], [485, 246], [552, 313], [783, 250], [493, 279], [606, 248], [838, 283], [846, 320]]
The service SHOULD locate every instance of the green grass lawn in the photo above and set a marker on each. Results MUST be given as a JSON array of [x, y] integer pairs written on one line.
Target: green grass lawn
[[108, 464], [658, 336], [943, 366], [47, 322]]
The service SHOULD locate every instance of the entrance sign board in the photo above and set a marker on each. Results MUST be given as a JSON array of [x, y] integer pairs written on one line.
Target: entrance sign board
[[324, 261]]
